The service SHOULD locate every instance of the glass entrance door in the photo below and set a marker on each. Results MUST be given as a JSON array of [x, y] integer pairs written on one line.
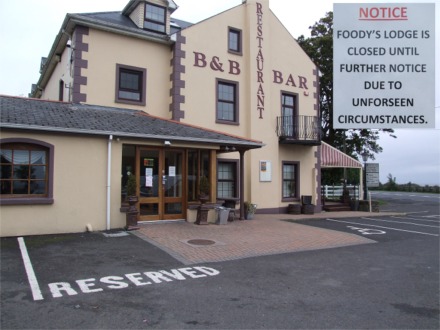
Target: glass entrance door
[[173, 184], [150, 185], [161, 184]]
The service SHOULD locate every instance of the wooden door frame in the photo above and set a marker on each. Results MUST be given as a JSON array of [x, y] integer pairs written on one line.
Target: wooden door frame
[[161, 199]]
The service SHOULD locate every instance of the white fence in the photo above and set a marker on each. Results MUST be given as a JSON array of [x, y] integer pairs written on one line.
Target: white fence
[[336, 191]]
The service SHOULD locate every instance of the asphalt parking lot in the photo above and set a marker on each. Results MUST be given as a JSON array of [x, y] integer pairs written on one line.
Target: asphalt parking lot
[[119, 281], [384, 228], [64, 264]]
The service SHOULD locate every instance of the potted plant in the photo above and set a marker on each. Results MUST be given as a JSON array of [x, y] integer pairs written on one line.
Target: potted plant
[[250, 209], [203, 189], [132, 199]]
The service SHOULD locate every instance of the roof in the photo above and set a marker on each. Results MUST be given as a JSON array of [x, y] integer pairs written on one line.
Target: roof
[[132, 4], [114, 22], [332, 157], [62, 117]]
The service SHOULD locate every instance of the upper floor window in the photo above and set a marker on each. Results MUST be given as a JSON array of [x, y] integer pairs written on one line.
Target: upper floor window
[[130, 84], [288, 105], [26, 168], [227, 102], [155, 18], [234, 41], [288, 114]]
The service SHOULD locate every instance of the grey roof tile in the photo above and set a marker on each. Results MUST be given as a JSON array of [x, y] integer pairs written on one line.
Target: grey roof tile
[[116, 20], [52, 116]]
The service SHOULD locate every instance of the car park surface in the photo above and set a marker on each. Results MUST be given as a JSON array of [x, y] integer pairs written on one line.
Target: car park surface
[[91, 280]]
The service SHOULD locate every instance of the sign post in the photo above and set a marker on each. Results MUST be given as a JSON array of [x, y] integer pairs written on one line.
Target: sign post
[[384, 65], [372, 174]]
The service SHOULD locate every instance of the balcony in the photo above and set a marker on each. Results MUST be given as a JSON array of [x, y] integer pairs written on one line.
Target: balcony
[[302, 130]]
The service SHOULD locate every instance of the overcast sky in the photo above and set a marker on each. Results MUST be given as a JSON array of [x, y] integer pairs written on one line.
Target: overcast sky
[[28, 29]]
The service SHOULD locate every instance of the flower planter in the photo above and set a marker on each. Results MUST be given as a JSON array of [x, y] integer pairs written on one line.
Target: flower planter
[[294, 209], [131, 217]]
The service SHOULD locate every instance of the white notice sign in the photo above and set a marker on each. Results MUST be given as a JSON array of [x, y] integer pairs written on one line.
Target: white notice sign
[[372, 174], [384, 65]]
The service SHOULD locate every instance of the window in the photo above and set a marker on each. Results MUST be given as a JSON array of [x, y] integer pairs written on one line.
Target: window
[[198, 166], [227, 182], [227, 102], [290, 181], [288, 113], [155, 18], [234, 40], [130, 85], [61, 91], [26, 171]]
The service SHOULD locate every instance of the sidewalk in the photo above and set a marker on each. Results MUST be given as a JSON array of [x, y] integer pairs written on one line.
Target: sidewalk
[[264, 235]]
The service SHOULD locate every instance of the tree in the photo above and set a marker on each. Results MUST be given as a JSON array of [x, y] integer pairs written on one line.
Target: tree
[[319, 47], [391, 184]]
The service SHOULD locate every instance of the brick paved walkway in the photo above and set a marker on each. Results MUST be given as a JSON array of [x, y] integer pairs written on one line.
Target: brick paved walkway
[[265, 235]]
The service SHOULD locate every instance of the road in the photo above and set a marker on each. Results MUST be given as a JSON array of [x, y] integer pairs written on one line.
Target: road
[[95, 282]]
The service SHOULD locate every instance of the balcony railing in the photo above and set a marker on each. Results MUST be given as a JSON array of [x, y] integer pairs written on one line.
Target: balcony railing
[[299, 130]]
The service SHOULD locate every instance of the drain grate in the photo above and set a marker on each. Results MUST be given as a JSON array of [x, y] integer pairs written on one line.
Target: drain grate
[[201, 242]]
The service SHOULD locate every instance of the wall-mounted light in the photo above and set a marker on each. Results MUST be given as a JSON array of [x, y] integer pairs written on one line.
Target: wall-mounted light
[[167, 143], [227, 148]]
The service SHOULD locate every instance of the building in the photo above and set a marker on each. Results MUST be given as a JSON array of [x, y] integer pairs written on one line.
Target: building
[[232, 98]]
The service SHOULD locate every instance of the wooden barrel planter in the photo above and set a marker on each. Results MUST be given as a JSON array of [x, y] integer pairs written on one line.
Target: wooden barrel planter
[[294, 209]]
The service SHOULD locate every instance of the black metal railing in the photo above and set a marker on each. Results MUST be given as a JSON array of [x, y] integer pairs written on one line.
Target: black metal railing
[[299, 129]]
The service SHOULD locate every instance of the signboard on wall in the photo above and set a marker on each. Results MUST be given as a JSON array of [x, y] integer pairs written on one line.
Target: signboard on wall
[[265, 171], [384, 65]]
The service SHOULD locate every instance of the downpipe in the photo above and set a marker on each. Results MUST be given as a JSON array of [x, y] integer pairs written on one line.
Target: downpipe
[[108, 187]]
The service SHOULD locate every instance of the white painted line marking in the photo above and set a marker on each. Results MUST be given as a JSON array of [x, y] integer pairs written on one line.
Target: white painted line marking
[[432, 216], [364, 224], [416, 219], [368, 231], [408, 223], [36, 292]]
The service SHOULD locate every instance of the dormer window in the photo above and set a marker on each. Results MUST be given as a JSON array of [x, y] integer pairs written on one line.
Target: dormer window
[[155, 18]]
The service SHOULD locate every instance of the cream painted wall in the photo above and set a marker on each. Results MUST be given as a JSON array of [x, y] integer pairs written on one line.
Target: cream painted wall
[[106, 50], [281, 53], [80, 179], [62, 71], [200, 88]]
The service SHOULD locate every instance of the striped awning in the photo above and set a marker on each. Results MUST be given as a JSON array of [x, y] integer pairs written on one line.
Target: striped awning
[[332, 157]]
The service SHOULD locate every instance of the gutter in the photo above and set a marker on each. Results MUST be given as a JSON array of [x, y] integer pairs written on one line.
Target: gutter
[[248, 144]]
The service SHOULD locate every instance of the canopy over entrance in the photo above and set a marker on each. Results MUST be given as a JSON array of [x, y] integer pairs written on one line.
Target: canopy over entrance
[[332, 157]]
